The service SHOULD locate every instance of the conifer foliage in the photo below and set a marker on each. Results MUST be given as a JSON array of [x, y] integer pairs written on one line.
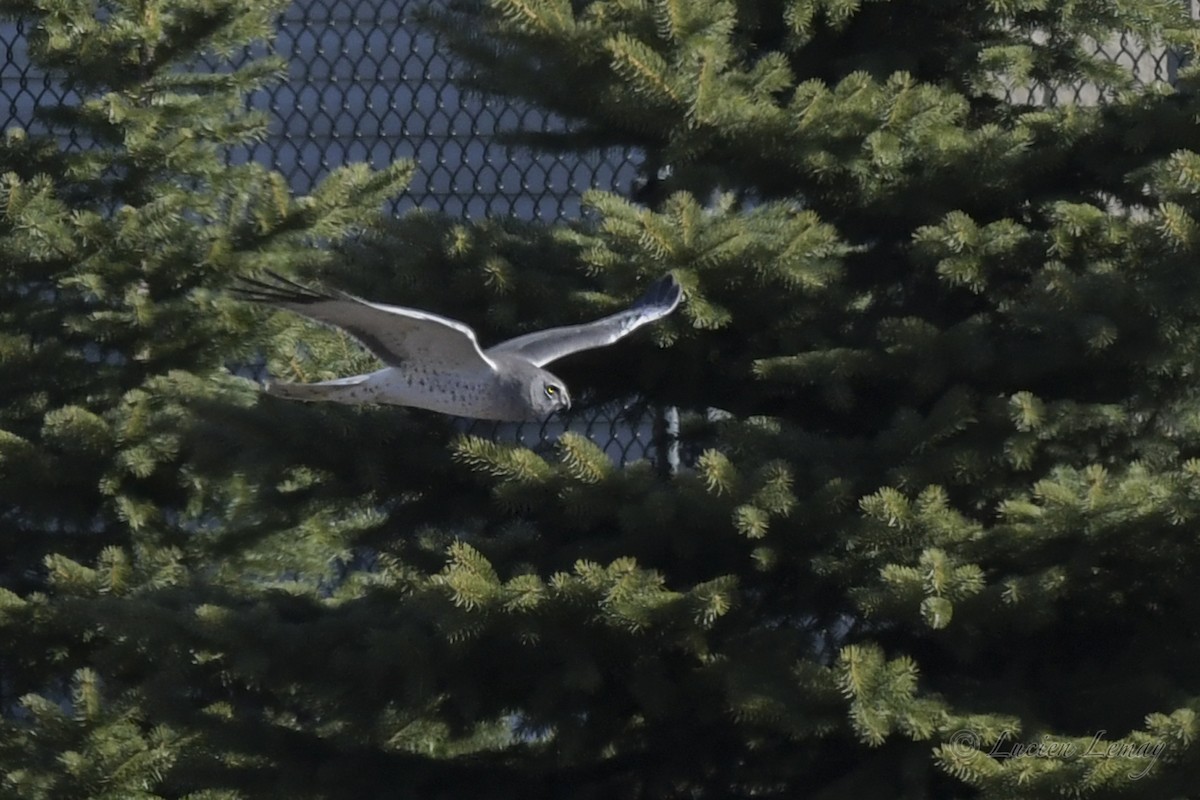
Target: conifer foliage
[[940, 542], [952, 514], [124, 212]]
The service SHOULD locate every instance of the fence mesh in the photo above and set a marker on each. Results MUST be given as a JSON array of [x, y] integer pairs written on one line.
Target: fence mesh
[[366, 83]]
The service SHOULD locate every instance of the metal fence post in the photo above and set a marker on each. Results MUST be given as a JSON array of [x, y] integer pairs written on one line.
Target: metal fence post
[[666, 439]]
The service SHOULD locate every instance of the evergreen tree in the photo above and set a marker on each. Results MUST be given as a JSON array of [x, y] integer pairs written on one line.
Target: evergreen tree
[[943, 546], [948, 511], [123, 215]]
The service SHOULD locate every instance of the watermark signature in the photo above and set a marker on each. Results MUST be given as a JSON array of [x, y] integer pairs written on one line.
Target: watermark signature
[[1008, 746]]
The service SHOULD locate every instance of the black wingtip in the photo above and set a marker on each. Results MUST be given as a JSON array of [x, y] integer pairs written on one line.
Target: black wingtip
[[278, 290], [665, 293]]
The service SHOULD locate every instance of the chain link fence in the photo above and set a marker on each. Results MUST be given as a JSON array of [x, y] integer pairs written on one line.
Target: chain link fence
[[366, 83], [1148, 65]]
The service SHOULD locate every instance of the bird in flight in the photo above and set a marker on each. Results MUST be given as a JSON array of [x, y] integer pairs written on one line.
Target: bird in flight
[[436, 363]]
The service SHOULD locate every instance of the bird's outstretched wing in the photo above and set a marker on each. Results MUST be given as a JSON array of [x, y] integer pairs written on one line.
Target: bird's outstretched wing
[[542, 347], [398, 336]]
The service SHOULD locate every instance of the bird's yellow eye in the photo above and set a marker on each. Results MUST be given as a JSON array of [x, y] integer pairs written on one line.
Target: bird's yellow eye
[[551, 390]]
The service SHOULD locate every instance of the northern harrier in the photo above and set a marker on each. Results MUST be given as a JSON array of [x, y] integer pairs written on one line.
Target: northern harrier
[[436, 363]]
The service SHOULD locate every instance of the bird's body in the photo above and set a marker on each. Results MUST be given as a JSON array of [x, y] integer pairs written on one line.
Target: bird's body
[[467, 393], [435, 363], [445, 392]]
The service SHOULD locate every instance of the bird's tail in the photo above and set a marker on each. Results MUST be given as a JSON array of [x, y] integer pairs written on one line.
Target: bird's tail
[[342, 390]]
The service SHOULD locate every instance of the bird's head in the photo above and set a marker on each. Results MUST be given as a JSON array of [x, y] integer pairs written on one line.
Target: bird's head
[[547, 394]]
